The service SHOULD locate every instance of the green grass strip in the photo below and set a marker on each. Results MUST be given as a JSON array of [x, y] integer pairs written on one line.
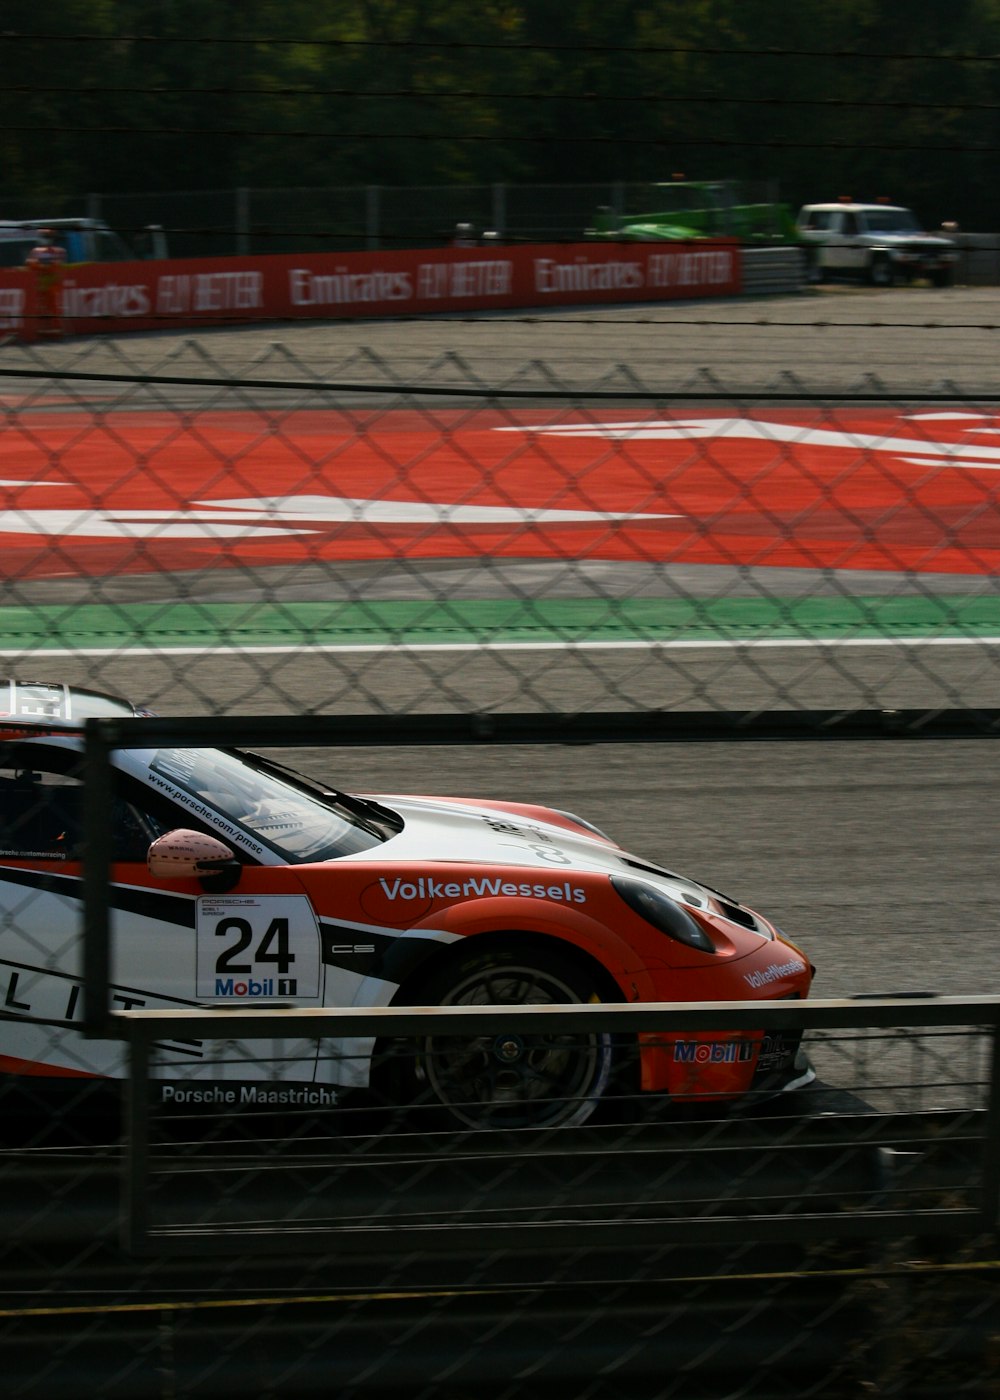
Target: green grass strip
[[477, 621]]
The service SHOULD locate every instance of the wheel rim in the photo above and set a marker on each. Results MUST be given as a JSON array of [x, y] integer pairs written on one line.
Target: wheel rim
[[510, 1080]]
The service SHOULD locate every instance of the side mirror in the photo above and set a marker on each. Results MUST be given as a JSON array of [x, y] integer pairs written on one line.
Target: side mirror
[[182, 854]]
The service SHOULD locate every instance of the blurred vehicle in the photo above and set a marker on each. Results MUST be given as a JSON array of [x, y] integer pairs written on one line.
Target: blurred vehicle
[[85, 240], [681, 210], [880, 243]]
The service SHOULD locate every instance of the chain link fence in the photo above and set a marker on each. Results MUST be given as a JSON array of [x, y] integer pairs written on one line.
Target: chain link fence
[[268, 541], [828, 1244], [375, 546]]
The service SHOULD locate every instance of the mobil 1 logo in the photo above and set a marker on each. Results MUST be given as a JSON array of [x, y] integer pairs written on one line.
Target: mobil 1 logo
[[256, 949]]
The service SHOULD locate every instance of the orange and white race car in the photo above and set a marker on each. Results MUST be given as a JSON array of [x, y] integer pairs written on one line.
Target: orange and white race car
[[237, 882]]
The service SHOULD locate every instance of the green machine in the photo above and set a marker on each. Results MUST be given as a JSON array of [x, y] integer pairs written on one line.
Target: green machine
[[686, 209]]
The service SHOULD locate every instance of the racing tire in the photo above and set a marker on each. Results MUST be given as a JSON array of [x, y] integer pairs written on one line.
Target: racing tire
[[881, 273], [507, 1080], [943, 277]]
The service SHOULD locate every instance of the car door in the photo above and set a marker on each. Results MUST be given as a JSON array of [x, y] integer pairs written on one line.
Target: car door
[[174, 944], [842, 250]]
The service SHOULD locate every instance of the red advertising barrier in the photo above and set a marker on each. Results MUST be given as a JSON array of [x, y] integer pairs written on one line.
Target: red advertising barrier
[[143, 296]]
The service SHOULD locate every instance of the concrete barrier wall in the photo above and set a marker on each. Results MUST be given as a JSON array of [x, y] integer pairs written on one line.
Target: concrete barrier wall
[[773, 271], [979, 265]]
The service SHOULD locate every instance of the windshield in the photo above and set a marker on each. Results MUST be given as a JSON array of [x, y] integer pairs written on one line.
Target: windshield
[[299, 825], [891, 221]]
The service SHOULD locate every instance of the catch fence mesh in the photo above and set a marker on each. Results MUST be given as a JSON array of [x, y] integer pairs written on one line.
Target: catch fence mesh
[[213, 537], [380, 546]]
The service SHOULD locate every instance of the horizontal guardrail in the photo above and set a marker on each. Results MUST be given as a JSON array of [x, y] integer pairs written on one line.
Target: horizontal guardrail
[[796, 1170]]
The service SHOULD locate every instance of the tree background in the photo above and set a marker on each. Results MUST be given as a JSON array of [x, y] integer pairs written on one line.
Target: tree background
[[861, 97]]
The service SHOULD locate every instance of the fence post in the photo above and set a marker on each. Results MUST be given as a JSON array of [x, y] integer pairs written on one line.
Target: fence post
[[499, 215], [618, 200], [136, 1215], [372, 203], [242, 220], [991, 1164], [97, 804]]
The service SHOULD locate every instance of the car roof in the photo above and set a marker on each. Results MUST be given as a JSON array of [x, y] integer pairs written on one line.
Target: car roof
[[48, 705]]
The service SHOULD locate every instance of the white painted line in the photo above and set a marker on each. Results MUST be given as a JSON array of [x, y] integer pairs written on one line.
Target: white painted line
[[386, 648]]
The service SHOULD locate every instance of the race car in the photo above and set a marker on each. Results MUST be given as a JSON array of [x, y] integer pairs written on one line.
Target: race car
[[237, 882]]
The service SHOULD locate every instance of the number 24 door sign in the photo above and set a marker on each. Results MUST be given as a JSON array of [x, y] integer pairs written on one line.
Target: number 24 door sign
[[252, 949]]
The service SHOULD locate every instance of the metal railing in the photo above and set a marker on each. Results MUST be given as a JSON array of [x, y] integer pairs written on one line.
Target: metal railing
[[916, 1151], [201, 223]]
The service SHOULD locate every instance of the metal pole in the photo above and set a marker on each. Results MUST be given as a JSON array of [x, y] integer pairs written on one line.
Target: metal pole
[[991, 1153], [135, 1162], [242, 220], [499, 215], [97, 837], [372, 209]]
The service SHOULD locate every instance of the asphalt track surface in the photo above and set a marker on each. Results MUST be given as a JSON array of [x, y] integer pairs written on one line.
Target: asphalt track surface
[[878, 858]]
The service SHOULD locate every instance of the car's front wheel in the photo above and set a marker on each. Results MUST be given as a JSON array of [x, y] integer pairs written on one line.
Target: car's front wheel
[[814, 270], [881, 273], [508, 1078]]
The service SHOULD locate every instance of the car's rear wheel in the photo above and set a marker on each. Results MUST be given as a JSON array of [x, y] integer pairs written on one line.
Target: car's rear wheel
[[509, 1079]]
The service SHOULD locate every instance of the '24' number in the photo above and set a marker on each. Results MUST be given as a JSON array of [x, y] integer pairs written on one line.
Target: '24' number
[[272, 948]]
